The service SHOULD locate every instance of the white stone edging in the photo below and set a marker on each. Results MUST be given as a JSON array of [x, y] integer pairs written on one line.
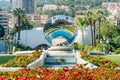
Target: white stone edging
[[4, 69], [38, 62], [82, 61]]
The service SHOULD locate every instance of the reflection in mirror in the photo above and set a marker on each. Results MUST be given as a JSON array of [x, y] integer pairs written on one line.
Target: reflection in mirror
[[60, 30]]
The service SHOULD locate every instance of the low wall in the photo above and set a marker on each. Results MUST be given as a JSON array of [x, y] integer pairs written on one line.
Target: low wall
[[39, 61], [82, 61], [27, 53], [5, 69]]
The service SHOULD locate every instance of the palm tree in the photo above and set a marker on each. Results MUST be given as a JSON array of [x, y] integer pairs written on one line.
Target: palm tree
[[89, 18], [100, 17], [82, 22], [19, 13], [94, 19]]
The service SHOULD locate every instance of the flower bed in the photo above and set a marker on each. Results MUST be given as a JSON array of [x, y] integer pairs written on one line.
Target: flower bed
[[22, 61], [78, 73], [99, 61]]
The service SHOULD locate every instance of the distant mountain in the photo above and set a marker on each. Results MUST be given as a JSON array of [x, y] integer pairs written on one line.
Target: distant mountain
[[5, 4]]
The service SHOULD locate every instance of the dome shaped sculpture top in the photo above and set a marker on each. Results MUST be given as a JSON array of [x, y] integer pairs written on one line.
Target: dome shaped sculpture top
[[60, 30]]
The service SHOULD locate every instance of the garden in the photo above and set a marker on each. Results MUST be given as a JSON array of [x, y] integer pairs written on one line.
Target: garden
[[106, 69]]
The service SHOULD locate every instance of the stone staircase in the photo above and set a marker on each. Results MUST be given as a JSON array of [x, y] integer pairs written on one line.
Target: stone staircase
[[58, 59]]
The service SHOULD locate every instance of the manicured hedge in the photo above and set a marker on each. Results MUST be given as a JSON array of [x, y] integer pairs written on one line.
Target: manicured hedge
[[22, 61], [99, 61]]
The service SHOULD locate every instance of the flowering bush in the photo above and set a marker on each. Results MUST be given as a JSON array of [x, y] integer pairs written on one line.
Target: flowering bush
[[76, 73], [22, 61], [98, 60]]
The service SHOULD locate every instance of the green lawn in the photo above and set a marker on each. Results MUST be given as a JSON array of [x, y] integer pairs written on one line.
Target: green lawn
[[5, 57], [72, 29], [113, 58]]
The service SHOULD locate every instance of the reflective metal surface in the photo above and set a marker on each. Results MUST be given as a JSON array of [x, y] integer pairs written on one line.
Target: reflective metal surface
[[60, 30]]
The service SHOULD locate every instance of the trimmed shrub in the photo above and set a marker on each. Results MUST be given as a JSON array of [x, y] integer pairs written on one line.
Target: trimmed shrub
[[22, 61], [98, 60]]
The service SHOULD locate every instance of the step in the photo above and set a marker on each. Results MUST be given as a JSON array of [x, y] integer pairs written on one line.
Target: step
[[60, 48], [59, 66], [56, 54], [60, 60]]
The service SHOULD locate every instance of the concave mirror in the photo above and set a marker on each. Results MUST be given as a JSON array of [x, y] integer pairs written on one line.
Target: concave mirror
[[60, 30]]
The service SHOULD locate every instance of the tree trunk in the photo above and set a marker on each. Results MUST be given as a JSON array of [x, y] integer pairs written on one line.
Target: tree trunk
[[18, 39], [99, 32], [94, 39], [91, 32]]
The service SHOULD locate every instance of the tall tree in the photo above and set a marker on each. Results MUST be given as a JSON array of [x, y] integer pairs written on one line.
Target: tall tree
[[100, 18], [89, 18], [94, 19], [82, 22], [20, 14], [2, 31]]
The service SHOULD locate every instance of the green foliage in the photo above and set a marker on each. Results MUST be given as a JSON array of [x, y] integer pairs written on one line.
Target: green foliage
[[88, 47], [22, 48], [92, 3], [100, 47], [51, 13], [117, 51], [82, 47], [33, 24], [82, 22], [116, 40], [110, 33], [79, 46]]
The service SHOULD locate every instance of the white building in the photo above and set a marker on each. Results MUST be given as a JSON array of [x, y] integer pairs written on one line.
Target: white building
[[6, 20], [63, 7], [49, 7], [17, 4], [112, 7], [54, 7]]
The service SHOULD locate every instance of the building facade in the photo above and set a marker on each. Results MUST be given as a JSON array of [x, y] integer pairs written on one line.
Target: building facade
[[49, 7], [16, 4], [112, 7], [29, 6], [40, 19], [6, 20]]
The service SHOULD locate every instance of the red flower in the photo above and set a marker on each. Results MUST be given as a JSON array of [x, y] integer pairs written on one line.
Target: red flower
[[94, 79]]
